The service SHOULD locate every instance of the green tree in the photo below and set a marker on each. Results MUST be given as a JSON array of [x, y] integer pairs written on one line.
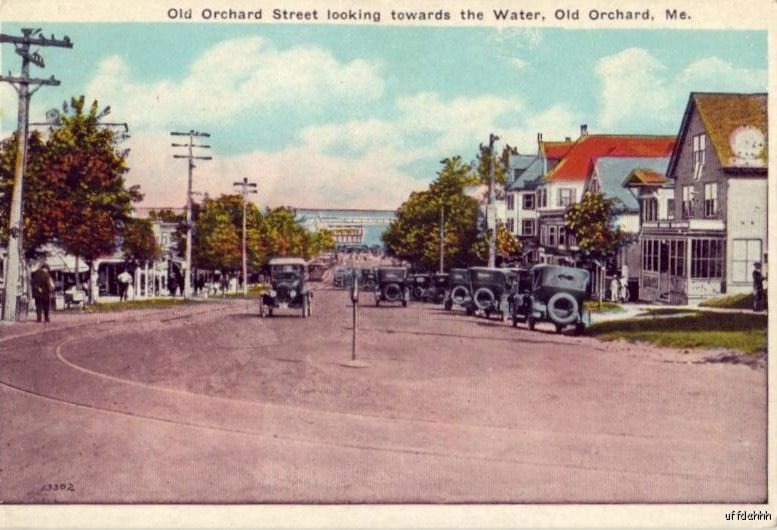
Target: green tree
[[139, 243], [501, 164], [591, 221], [415, 233], [85, 170], [42, 215], [507, 245]]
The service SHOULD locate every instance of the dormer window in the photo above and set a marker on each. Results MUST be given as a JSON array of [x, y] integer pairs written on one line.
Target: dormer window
[[699, 149]]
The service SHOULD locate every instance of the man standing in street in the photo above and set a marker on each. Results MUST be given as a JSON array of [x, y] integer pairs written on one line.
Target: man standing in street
[[42, 287], [758, 287]]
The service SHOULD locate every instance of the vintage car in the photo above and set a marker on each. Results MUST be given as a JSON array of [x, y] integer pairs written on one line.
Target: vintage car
[[393, 286], [490, 290], [419, 282], [316, 270], [556, 295], [439, 285], [343, 277], [520, 284], [458, 289], [368, 279], [287, 287]]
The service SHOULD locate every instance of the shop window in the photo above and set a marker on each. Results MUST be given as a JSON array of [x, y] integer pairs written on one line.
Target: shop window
[[707, 258]]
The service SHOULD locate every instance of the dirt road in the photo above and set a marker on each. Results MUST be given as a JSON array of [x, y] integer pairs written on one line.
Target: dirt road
[[210, 403]]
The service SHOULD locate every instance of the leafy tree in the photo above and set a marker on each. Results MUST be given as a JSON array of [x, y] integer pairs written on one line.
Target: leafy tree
[[415, 233], [86, 174], [507, 244], [139, 243], [501, 164], [42, 214], [591, 221]]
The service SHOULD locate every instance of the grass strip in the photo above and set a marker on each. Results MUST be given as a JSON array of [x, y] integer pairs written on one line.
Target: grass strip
[[744, 333]]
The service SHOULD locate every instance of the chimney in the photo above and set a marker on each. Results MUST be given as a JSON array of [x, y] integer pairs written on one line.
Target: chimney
[[584, 129], [539, 142]]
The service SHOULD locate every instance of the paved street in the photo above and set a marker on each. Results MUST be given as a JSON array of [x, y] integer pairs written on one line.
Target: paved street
[[209, 403]]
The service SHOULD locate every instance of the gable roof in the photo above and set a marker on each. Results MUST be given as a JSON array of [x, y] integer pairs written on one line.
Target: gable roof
[[722, 114], [646, 178], [611, 172], [579, 162], [529, 178]]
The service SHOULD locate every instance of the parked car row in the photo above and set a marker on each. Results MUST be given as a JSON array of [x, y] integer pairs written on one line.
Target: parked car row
[[544, 293]]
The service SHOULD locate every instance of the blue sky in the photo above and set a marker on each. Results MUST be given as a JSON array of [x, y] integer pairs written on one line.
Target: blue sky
[[359, 116]]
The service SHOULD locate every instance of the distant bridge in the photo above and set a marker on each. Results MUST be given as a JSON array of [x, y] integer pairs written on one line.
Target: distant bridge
[[347, 225]]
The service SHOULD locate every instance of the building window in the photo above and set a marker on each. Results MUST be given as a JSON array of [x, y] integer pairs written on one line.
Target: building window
[[699, 145], [650, 210], [745, 252], [528, 201], [562, 236], [552, 236], [566, 196], [687, 202], [510, 224], [711, 199], [542, 198], [527, 227], [510, 199], [707, 258], [677, 258], [670, 208], [650, 252]]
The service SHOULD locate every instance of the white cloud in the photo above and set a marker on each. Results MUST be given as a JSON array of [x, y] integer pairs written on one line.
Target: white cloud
[[234, 77], [637, 88]]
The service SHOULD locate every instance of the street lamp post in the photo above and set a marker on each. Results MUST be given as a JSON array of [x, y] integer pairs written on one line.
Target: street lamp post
[[246, 188]]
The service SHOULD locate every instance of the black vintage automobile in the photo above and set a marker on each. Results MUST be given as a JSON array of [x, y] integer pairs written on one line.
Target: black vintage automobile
[[458, 291], [392, 286], [316, 270], [557, 295], [439, 285], [368, 279], [490, 290], [418, 282], [287, 287], [343, 277]]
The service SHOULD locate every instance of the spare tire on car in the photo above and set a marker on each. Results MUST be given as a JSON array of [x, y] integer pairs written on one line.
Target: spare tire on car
[[483, 298], [392, 292], [562, 308]]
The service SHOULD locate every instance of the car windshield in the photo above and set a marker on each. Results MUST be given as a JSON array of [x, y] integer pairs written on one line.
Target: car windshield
[[391, 274], [286, 272], [487, 277], [458, 277]]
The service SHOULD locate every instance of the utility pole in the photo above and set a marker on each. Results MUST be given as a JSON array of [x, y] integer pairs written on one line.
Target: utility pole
[[187, 276], [30, 37], [246, 188], [491, 208], [442, 239]]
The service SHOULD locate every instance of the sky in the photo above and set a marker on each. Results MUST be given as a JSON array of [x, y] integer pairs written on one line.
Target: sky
[[360, 116]]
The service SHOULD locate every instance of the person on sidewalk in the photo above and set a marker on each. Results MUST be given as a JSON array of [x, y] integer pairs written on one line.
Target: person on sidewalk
[[758, 287], [124, 279], [42, 288]]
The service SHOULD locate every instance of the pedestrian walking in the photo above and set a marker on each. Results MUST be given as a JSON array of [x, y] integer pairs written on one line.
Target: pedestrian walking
[[125, 280], [758, 287], [42, 289], [614, 288]]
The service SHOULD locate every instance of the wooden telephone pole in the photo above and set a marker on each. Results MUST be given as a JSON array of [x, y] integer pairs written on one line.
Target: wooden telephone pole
[[22, 83], [187, 274]]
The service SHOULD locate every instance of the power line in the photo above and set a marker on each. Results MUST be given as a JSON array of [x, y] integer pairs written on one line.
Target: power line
[[187, 277], [21, 83]]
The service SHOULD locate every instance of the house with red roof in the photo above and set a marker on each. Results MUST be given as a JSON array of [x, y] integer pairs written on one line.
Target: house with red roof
[[589, 161], [715, 226]]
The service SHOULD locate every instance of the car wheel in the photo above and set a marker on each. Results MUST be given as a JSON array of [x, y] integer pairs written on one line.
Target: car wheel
[[269, 311], [530, 322], [579, 328], [469, 311], [488, 313], [404, 303], [377, 302], [501, 316], [559, 328], [448, 305], [514, 319]]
